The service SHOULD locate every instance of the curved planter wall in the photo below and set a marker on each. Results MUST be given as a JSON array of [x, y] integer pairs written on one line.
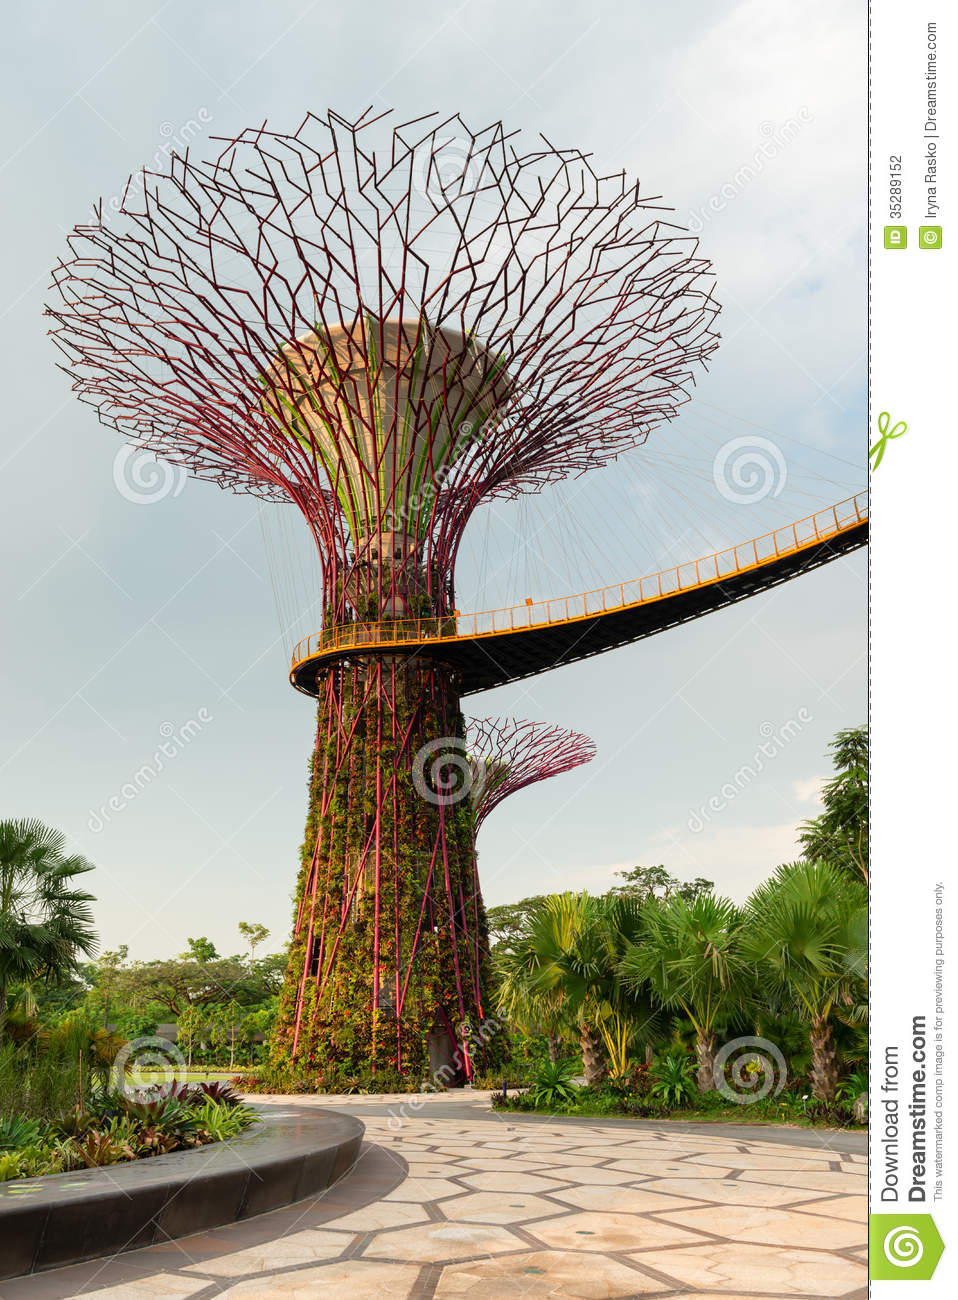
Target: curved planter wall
[[66, 1218]]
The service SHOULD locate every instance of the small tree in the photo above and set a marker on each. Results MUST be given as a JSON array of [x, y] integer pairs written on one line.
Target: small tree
[[110, 963], [254, 934], [646, 883], [691, 954], [45, 921], [202, 950], [563, 968], [189, 1024], [803, 933], [839, 835], [223, 1028]]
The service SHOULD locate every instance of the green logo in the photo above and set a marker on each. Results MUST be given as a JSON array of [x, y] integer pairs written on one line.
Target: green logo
[[929, 236], [903, 1246], [896, 236], [876, 453]]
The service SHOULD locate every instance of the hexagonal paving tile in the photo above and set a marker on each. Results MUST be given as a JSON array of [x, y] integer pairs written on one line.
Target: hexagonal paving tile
[[772, 1227], [607, 1231], [816, 1182], [343, 1281], [744, 1271], [481, 1165], [854, 1208], [379, 1215], [435, 1242], [748, 1160], [729, 1191], [513, 1182], [627, 1200], [650, 1168], [499, 1207], [294, 1248], [430, 1168], [544, 1273], [159, 1285], [424, 1189], [590, 1175]]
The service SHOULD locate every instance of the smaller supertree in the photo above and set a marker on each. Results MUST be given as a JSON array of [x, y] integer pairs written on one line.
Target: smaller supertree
[[506, 755]]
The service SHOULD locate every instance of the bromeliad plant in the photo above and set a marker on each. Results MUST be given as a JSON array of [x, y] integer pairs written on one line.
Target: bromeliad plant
[[672, 1081], [553, 1085], [110, 1127]]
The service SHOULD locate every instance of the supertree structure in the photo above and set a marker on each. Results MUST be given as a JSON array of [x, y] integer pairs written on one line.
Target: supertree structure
[[506, 754], [384, 328]]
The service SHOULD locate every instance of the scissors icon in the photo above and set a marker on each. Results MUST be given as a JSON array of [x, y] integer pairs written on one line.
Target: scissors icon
[[887, 433]]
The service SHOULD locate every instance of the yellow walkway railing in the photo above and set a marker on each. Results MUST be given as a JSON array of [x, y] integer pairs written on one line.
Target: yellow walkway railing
[[810, 531]]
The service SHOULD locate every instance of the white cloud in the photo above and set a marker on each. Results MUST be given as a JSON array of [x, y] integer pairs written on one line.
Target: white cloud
[[809, 791]]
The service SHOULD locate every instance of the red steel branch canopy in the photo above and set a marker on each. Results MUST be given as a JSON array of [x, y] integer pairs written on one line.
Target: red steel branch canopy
[[385, 328]]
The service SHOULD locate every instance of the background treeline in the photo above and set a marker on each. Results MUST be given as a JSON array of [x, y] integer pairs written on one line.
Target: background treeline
[[656, 975]]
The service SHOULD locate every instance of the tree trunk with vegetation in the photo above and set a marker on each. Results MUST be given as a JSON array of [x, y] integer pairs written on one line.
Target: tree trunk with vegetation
[[824, 1072], [389, 965], [554, 1043], [705, 1054], [593, 1056]]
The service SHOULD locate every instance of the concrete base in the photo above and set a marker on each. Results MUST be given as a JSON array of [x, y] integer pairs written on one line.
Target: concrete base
[[66, 1218]]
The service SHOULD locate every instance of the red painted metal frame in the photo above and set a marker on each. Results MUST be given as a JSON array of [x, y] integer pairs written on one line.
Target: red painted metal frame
[[182, 318], [171, 314], [509, 754]]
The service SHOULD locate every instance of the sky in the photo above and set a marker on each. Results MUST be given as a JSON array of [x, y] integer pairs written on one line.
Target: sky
[[139, 621]]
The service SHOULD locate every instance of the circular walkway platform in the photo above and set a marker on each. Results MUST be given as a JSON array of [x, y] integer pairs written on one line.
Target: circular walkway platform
[[46, 1222], [485, 1205]]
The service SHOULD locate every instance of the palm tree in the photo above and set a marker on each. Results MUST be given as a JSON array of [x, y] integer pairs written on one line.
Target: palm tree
[[561, 969], [690, 953], [44, 921], [840, 833], [803, 932]]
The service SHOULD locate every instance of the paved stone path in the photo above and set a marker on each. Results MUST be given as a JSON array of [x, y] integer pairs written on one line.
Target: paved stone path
[[488, 1206]]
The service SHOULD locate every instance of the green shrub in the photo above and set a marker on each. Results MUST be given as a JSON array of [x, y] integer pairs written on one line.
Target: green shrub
[[552, 1085], [672, 1080]]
